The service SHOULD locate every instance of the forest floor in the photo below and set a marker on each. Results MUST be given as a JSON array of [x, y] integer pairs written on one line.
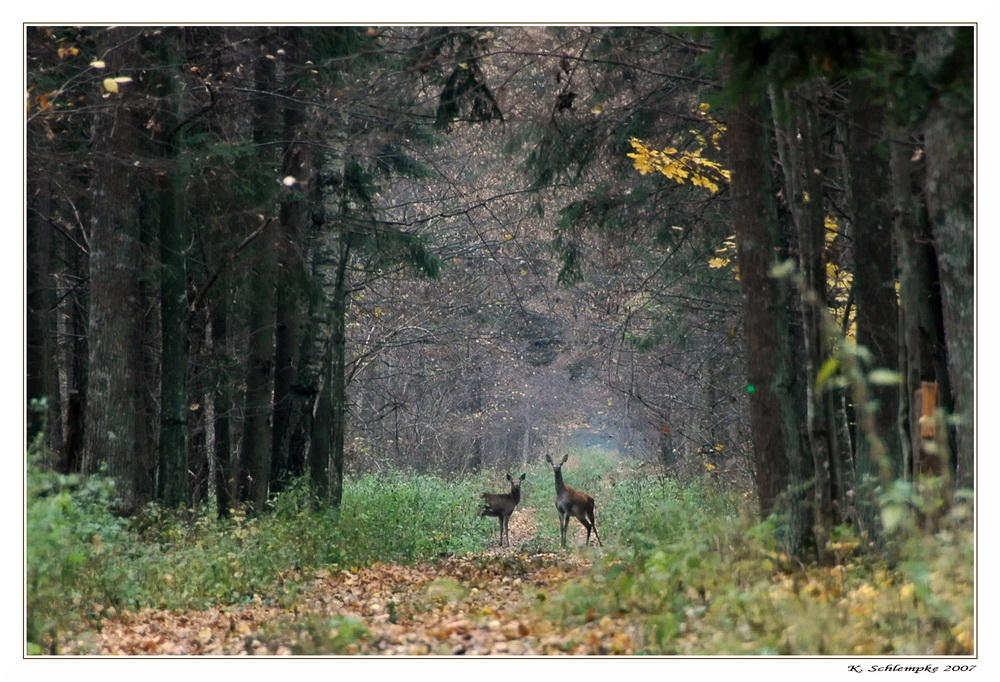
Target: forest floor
[[479, 604]]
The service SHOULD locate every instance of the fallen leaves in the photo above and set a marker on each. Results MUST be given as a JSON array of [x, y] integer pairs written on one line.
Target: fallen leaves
[[480, 604]]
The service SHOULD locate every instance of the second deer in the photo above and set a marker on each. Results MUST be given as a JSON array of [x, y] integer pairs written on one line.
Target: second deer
[[502, 506], [572, 503]]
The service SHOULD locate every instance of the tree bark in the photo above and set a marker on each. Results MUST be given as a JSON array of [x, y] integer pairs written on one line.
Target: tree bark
[[870, 205], [948, 135], [798, 139], [115, 418], [292, 277], [39, 348], [774, 412], [921, 330], [326, 464], [174, 321], [255, 457]]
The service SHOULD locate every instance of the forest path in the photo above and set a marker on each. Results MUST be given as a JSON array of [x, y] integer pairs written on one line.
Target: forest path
[[477, 604]]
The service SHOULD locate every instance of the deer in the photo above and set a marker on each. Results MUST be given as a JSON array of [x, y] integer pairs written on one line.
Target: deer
[[501, 505], [572, 503]]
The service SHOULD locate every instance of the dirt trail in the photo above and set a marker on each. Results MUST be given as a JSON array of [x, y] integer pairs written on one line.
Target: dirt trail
[[478, 604]]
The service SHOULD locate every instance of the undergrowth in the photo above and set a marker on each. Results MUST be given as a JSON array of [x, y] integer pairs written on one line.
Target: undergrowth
[[84, 562], [702, 576], [689, 563]]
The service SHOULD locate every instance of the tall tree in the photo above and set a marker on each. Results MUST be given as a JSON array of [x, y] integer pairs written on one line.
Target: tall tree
[[869, 182], [293, 281], [774, 409], [254, 475], [945, 58], [172, 479], [116, 428], [798, 137]]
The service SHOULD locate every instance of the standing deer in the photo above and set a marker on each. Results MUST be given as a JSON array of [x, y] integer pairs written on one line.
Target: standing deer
[[573, 503], [502, 506]]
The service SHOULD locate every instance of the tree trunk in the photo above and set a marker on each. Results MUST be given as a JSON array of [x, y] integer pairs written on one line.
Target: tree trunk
[[115, 414], [921, 330], [774, 412], [222, 404], [174, 321], [798, 138], [255, 460], [949, 142], [292, 277], [39, 347], [327, 462], [77, 358], [870, 206]]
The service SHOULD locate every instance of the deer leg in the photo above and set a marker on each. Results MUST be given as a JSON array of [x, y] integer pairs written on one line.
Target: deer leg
[[563, 524], [594, 524]]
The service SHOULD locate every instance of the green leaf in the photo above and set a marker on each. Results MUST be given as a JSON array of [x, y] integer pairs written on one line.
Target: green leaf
[[828, 370], [885, 377], [783, 269], [892, 516]]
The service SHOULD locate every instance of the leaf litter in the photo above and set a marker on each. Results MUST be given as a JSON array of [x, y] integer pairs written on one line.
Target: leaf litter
[[489, 603]]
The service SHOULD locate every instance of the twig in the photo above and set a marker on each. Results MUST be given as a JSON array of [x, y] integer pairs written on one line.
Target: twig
[[196, 303]]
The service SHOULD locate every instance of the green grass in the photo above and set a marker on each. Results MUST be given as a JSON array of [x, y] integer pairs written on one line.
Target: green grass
[[82, 556], [690, 563], [702, 576]]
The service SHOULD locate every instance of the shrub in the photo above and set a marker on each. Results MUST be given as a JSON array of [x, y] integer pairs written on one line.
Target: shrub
[[68, 528], [701, 576], [82, 560]]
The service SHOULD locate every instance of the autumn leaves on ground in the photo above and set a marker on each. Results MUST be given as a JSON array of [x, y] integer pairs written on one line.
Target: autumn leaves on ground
[[485, 603], [406, 567]]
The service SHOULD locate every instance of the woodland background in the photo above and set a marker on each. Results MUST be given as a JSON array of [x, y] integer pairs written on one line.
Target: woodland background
[[265, 264]]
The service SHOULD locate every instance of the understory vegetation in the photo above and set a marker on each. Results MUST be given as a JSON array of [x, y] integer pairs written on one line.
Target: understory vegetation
[[686, 563]]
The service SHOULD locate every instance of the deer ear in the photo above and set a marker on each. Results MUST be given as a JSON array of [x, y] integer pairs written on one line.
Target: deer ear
[[548, 459], [565, 457], [522, 476], [508, 477]]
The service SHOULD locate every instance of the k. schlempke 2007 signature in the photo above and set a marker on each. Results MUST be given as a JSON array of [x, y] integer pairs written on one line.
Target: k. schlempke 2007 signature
[[904, 668]]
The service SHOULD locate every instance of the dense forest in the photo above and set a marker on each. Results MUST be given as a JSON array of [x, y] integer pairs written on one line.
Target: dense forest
[[316, 287]]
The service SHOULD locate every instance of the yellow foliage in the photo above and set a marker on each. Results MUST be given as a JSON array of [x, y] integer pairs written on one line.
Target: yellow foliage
[[688, 165], [839, 281]]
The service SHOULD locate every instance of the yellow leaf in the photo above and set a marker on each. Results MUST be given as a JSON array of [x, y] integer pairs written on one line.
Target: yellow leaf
[[718, 263], [885, 377], [720, 447], [827, 371], [110, 85], [98, 64]]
